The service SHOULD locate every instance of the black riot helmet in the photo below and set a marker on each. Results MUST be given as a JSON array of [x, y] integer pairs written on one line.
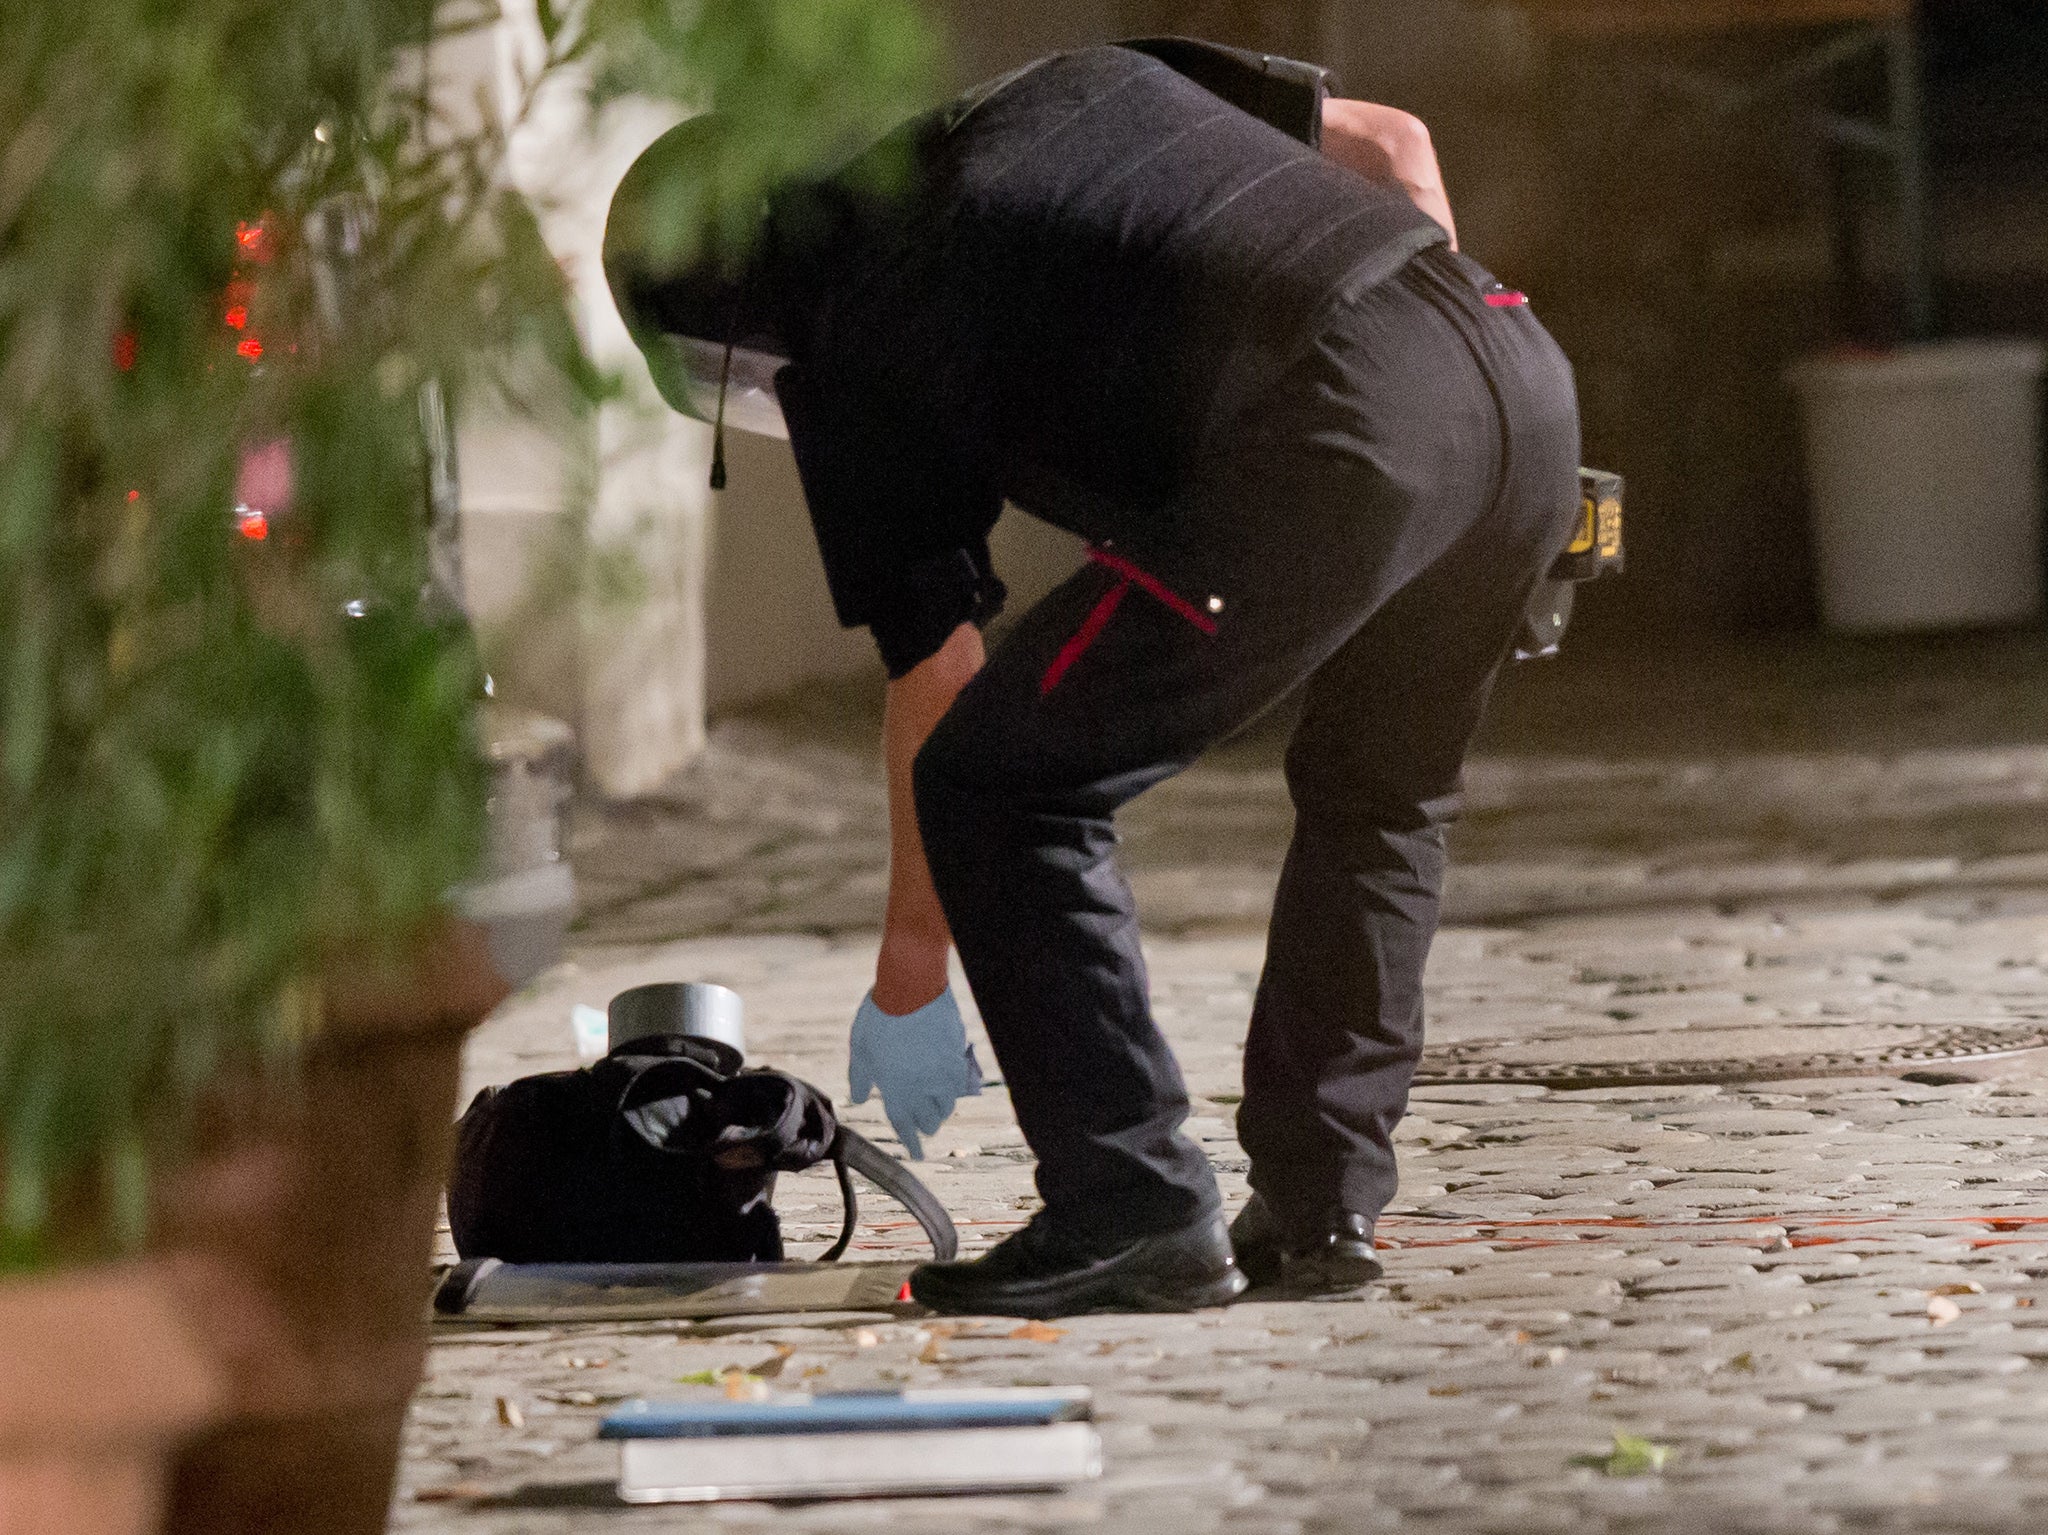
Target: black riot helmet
[[688, 276]]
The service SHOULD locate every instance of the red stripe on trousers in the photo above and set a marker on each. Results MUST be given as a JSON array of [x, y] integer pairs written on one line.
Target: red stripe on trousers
[[1090, 630], [1156, 587], [1098, 619]]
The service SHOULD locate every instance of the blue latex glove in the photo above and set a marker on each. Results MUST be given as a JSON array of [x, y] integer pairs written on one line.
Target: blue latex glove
[[921, 1061]]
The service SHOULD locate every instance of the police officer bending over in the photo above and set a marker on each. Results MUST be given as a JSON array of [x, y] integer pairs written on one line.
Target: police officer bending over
[[1177, 301]]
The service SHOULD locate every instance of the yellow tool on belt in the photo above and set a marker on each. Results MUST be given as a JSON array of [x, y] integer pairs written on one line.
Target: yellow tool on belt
[[1595, 551]]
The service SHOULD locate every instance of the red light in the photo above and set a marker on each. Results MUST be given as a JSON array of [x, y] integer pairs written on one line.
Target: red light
[[252, 523], [237, 316], [249, 236], [134, 495], [249, 347], [124, 351]]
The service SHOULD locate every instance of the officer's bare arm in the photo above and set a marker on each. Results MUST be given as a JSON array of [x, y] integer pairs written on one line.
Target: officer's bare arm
[[911, 969], [1388, 145]]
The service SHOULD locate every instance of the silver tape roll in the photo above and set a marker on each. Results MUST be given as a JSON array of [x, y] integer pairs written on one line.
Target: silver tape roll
[[697, 1008]]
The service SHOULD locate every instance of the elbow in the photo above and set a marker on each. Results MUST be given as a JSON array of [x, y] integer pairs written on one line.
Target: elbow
[[1403, 133], [1405, 138], [1381, 142]]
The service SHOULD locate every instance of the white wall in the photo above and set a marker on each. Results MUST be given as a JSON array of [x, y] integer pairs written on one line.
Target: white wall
[[768, 618], [628, 676]]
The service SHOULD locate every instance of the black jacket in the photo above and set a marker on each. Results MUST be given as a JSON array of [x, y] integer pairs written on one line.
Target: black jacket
[[1055, 291]]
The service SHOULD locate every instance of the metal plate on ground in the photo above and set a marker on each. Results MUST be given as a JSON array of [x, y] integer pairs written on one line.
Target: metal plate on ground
[[485, 1290], [1762, 1052]]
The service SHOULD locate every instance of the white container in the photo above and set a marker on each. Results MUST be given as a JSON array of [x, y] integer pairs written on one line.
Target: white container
[[1925, 470]]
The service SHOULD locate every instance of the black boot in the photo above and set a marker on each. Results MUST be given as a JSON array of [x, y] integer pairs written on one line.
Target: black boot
[[1334, 1261], [1039, 1272]]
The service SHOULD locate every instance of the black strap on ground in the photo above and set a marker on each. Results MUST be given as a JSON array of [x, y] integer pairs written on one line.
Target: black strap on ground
[[849, 1202], [854, 1151]]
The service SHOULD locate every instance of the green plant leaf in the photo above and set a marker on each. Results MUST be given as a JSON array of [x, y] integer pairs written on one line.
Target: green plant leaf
[[208, 772], [1631, 1456]]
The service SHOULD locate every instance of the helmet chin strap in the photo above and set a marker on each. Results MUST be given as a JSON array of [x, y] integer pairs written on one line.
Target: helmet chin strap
[[718, 428]]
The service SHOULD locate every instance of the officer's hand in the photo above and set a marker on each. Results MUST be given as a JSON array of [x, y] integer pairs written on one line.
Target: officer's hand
[[921, 1061]]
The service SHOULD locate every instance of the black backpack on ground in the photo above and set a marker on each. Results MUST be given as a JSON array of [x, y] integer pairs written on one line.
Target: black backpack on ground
[[665, 1151]]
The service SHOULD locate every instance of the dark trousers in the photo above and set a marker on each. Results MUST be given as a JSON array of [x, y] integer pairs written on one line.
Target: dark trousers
[[1370, 528]]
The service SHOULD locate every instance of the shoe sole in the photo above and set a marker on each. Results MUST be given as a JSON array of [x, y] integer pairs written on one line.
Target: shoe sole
[[1261, 1269], [1220, 1291], [1278, 1293], [1351, 1285]]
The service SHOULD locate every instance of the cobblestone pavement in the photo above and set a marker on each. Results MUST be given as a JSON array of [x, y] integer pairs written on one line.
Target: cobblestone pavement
[[1820, 1296]]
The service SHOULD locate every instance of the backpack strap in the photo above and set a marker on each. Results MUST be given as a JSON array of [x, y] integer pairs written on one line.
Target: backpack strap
[[853, 1152], [850, 1151]]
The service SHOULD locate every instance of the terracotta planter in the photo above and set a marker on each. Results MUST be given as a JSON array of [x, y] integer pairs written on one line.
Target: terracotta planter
[[258, 1374], [319, 1202], [320, 1206], [103, 1376]]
